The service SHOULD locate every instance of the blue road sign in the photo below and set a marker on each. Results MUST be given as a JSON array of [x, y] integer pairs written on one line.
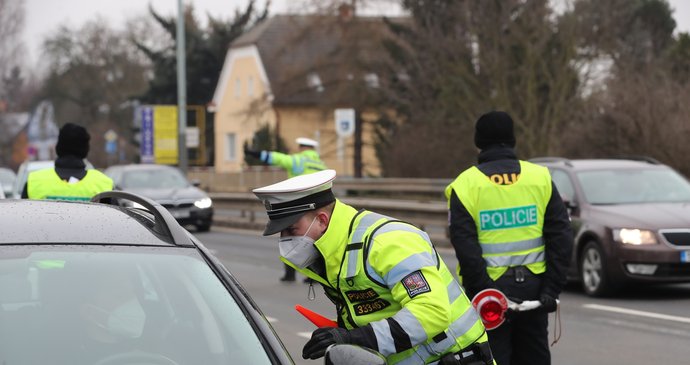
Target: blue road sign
[[147, 135]]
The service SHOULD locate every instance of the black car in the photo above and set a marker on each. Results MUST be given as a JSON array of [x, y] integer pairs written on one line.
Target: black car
[[169, 187], [89, 283], [631, 219]]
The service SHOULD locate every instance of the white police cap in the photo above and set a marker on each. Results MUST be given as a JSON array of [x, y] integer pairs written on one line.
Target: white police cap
[[307, 142], [288, 200]]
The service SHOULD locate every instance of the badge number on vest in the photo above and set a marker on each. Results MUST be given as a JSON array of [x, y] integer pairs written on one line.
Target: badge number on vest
[[415, 284], [370, 307], [508, 218]]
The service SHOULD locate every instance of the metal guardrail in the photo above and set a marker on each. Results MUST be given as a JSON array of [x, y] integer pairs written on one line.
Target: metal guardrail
[[431, 216]]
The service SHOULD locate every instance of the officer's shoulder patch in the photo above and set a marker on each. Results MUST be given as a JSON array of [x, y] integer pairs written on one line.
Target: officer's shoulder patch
[[415, 284]]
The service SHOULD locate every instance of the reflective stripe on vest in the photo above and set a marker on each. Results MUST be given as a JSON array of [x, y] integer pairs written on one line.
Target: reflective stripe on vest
[[456, 329], [306, 162]]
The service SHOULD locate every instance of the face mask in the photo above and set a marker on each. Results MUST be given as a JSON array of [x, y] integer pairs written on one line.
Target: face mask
[[299, 250], [125, 321]]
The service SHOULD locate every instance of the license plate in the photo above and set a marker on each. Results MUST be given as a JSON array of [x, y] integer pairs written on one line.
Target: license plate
[[180, 213], [684, 256]]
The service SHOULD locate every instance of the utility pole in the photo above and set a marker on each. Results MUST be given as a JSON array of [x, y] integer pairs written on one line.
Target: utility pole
[[181, 90]]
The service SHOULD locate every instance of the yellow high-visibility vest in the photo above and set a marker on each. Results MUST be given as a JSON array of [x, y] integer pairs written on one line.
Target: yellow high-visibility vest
[[509, 218], [47, 184]]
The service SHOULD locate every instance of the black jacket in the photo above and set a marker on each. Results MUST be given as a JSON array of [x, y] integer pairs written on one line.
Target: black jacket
[[65, 167], [557, 233]]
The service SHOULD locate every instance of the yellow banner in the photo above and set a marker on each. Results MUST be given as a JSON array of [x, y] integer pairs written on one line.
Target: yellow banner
[[165, 134]]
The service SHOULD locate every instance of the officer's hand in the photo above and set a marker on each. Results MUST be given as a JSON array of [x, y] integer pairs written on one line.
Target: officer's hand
[[548, 303], [322, 338], [253, 153]]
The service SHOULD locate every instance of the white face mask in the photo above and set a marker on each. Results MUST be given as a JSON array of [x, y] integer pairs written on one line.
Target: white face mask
[[299, 250], [125, 321]]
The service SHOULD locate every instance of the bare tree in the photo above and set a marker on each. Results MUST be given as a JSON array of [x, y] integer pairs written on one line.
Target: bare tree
[[93, 72], [11, 47]]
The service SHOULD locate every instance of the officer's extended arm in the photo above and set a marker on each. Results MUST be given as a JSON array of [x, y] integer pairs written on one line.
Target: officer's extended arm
[[263, 156]]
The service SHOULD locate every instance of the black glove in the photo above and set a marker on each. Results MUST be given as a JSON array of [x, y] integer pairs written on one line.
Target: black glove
[[548, 303], [253, 153], [322, 338]]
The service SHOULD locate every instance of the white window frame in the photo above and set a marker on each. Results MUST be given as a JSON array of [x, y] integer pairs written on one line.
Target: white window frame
[[230, 147], [238, 88]]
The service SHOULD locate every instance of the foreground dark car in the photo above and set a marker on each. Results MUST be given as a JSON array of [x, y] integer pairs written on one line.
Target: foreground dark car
[[90, 283], [170, 188], [631, 220]]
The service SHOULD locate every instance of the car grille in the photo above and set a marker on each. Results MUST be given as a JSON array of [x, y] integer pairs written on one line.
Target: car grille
[[677, 237], [174, 206]]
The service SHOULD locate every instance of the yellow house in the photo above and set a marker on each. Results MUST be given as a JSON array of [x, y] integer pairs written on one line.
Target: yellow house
[[283, 74]]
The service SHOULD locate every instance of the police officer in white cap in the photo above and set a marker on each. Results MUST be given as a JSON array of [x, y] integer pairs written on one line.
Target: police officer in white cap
[[392, 291], [306, 161]]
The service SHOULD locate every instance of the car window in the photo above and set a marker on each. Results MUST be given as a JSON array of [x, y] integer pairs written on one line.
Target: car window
[[153, 179], [627, 186], [89, 304], [7, 177], [114, 173], [562, 181]]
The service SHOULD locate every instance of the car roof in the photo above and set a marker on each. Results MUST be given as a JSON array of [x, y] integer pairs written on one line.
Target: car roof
[[44, 222], [39, 165], [143, 167], [599, 164]]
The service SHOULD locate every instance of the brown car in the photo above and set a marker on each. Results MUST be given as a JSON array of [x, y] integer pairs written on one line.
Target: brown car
[[631, 220]]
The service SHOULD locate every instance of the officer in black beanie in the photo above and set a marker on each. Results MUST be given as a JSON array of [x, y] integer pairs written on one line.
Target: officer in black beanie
[[521, 243], [72, 148]]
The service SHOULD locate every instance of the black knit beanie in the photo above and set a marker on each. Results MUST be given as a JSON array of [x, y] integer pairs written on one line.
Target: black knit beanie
[[494, 128], [73, 140]]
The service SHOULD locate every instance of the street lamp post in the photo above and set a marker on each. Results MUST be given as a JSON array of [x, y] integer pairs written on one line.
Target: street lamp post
[[181, 90]]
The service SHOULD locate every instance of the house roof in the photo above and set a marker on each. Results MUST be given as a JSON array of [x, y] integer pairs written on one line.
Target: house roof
[[306, 56]]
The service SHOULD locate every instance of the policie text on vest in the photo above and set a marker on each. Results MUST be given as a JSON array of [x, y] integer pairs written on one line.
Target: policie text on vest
[[508, 218]]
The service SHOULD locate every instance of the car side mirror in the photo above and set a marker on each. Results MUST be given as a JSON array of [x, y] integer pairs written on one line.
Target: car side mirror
[[196, 183], [353, 355]]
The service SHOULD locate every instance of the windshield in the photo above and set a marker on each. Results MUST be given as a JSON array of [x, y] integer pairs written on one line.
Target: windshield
[[634, 186], [92, 304], [154, 179]]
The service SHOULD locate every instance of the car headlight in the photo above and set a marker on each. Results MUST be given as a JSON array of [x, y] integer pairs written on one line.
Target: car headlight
[[634, 236], [203, 203]]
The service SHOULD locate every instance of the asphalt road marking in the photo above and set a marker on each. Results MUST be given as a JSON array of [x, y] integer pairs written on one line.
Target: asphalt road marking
[[271, 319], [634, 312]]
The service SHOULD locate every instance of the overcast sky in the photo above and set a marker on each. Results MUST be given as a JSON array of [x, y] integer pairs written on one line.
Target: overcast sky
[[44, 16]]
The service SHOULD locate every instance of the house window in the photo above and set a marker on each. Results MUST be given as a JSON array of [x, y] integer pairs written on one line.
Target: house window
[[238, 87], [314, 82], [250, 86], [230, 147], [372, 80]]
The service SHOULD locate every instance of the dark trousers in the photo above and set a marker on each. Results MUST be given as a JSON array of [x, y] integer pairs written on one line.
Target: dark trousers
[[289, 272], [523, 338]]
